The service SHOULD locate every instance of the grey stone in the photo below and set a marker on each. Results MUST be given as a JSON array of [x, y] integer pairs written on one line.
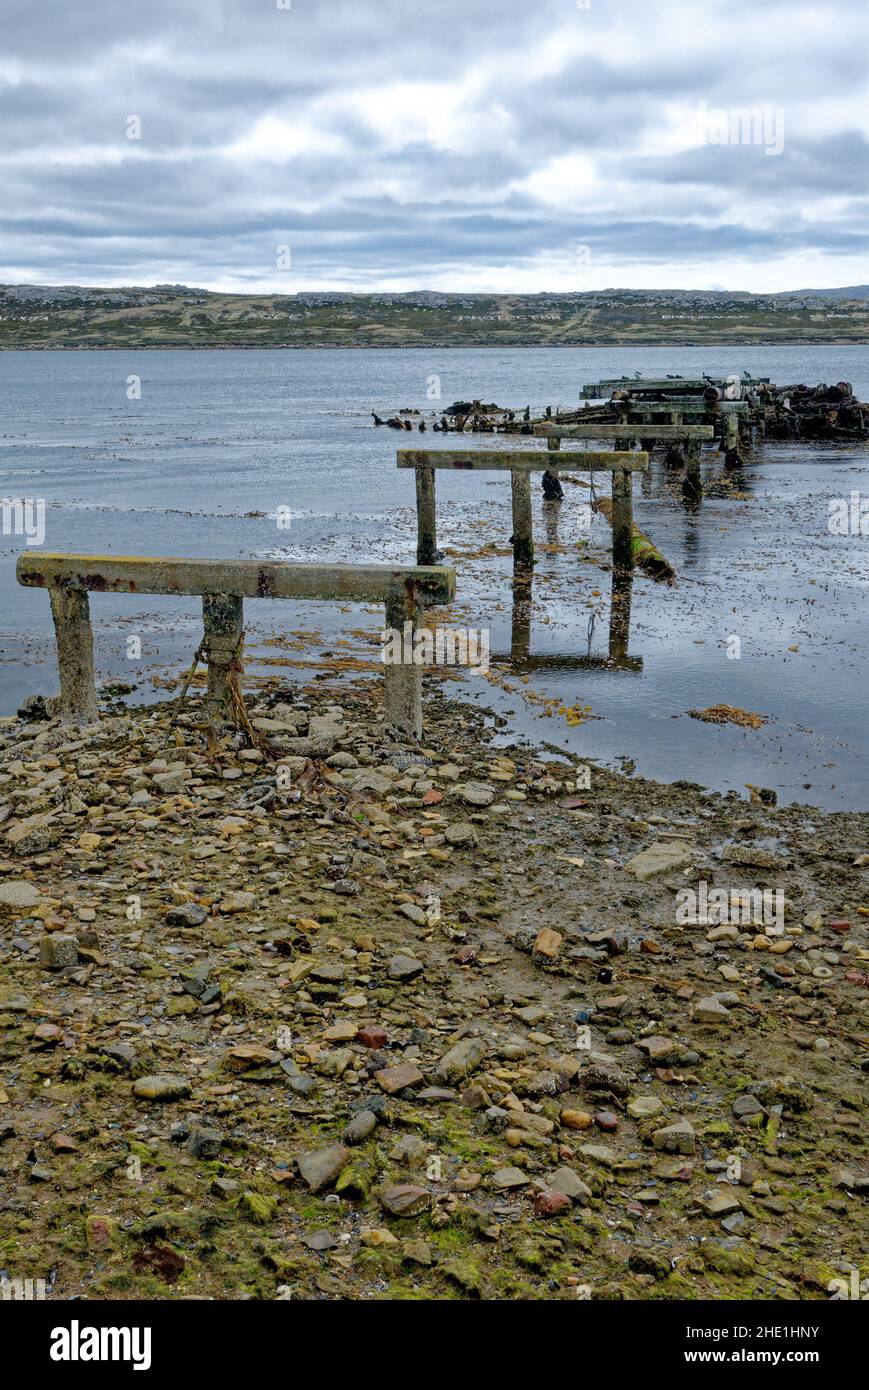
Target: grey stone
[[56, 952], [186, 915], [403, 967], [566, 1181], [320, 1167], [19, 894], [678, 1138], [162, 1086], [360, 1127]]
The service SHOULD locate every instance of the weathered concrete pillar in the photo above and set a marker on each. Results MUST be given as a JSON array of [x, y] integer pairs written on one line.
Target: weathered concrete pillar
[[426, 522], [223, 620], [522, 537], [75, 655], [674, 455], [731, 436], [402, 680], [623, 521]]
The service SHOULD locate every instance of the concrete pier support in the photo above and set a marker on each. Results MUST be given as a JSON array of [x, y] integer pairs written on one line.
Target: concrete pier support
[[522, 537], [223, 586], [552, 489], [223, 621], [623, 522], [731, 442], [403, 679], [75, 655], [426, 511]]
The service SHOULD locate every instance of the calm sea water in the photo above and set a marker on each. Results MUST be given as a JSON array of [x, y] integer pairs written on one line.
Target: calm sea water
[[219, 441]]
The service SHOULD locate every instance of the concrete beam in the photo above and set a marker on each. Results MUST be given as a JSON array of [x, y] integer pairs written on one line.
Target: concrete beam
[[519, 460], [145, 574], [608, 431], [684, 405]]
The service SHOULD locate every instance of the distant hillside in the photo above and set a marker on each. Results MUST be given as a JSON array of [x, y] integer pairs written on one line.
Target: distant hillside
[[173, 316], [846, 292]]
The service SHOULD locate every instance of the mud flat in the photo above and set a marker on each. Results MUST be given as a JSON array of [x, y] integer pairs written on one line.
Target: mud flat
[[343, 1017]]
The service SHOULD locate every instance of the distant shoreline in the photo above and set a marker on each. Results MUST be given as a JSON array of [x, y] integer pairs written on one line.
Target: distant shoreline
[[433, 346], [173, 317]]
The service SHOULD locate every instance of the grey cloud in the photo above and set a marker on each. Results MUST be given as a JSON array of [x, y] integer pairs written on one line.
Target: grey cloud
[[378, 194]]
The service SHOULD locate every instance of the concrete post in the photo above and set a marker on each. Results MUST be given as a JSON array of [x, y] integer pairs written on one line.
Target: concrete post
[[623, 528], [223, 621], [731, 435], [426, 523], [73, 633], [522, 537], [674, 456], [402, 680]]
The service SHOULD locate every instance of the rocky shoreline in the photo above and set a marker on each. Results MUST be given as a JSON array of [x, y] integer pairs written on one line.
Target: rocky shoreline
[[316, 1013]]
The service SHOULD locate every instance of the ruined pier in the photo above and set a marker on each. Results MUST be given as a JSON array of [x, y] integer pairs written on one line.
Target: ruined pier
[[223, 585], [520, 464]]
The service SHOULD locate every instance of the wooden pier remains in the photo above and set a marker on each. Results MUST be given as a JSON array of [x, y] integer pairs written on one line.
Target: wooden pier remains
[[223, 586]]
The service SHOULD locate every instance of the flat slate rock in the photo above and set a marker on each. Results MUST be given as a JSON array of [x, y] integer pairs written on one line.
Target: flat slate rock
[[507, 1178], [395, 1079], [162, 1086], [19, 894]]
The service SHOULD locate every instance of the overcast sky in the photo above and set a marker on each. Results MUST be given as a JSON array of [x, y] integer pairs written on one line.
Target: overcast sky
[[511, 145]]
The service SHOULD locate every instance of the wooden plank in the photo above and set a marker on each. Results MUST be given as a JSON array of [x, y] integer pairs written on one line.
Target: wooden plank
[[609, 431], [147, 574], [595, 390], [553, 662], [518, 460]]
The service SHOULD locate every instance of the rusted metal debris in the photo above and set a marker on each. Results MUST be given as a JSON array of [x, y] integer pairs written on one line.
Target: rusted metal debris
[[816, 412]]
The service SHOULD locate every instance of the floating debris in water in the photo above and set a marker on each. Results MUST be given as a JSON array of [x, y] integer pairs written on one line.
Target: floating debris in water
[[729, 714]]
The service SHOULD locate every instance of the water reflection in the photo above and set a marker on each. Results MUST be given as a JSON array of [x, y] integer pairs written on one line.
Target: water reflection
[[618, 657]]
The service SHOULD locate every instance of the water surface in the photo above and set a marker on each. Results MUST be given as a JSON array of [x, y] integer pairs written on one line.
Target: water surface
[[221, 441]]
